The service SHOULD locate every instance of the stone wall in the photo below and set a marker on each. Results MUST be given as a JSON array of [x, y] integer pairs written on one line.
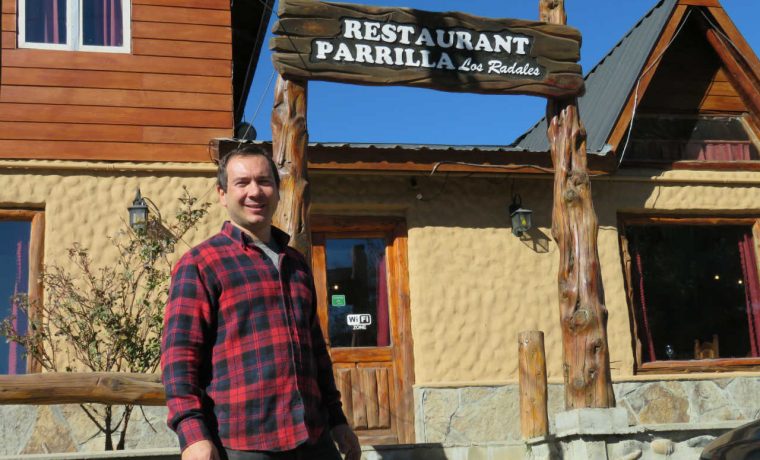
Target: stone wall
[[476, 415], [492, 413], [66, 428]]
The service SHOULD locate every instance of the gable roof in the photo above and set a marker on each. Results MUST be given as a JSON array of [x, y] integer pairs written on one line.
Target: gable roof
[[609, 83]]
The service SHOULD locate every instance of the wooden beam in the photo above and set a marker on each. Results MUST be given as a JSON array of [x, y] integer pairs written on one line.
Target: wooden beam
[[745, 80], [36, 289], [534, 419], [289, 143], [729, 28], [585, 353], [76, 388]]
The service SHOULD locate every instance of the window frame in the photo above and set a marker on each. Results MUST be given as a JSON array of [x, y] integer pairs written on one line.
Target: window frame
[[36, 260], [74, 30], [679, 366]]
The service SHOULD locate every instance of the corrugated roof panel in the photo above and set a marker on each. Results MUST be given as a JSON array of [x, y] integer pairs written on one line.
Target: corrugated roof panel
[[609, 83]]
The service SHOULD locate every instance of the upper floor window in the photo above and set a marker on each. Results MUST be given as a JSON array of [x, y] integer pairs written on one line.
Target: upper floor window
[[667, 139], [83, 25]]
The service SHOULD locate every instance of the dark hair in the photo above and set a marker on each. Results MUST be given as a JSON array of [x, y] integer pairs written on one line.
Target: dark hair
[[248, 150]]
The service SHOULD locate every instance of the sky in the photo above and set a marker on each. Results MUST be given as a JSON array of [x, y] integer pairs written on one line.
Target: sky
[[339, 112]]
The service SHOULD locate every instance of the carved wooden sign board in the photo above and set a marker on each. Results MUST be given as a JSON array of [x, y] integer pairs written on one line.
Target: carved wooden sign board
[[457, 52]]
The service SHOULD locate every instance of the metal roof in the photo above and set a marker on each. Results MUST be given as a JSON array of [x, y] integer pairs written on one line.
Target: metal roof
[[609, 83], [413, 147]]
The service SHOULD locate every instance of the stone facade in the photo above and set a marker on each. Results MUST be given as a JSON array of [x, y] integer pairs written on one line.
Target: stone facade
[[492, 413], [464, 416], [66, 428]]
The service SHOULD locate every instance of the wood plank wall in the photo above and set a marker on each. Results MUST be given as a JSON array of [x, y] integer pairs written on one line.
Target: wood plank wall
[[691, 79], [162, 102]]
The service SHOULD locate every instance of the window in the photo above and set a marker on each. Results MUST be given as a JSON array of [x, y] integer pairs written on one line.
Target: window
[[665, 139], [358, 292], [694, 290], [20, 265], [83, 25]]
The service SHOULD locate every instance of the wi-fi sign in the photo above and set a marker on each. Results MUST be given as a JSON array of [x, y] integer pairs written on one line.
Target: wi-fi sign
[[359, 320]]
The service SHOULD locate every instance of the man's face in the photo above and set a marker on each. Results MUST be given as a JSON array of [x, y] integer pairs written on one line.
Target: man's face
[[251, 197]]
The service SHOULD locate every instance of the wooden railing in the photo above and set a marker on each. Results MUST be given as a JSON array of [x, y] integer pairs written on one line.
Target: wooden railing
[[98, 387]]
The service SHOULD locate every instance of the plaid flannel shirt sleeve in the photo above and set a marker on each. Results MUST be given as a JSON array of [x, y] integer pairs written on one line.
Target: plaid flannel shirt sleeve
[[325, 376], [187, 317]]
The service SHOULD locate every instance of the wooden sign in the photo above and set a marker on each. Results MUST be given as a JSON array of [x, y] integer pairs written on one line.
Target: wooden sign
[[445, 51]]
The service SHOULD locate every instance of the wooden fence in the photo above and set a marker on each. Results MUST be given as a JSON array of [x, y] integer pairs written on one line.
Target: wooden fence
[[96, 387]]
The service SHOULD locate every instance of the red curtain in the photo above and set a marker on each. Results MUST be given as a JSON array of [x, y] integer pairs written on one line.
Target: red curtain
[[102, 22], [639, 274], [697, 150], [45, 21], [112, 22], [718, 151], [751, 290], [383, 329]]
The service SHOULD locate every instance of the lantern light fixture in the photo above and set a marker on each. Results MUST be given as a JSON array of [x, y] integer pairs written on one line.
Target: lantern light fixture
[[521, 217], [138, 212]]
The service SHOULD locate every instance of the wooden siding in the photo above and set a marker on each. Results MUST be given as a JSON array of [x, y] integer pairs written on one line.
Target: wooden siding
[[692, 79], [164, 101]]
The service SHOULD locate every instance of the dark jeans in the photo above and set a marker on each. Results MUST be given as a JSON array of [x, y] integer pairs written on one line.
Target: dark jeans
[[324, 449]]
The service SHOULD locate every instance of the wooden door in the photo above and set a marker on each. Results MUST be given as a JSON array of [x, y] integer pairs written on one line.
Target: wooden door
[[360, 272]]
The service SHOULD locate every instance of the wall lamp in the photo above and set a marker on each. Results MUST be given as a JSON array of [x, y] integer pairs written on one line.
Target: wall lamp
[[521, 217], [139, 211]]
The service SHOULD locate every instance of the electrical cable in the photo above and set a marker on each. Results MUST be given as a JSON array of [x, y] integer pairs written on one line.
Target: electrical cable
[[638, 84]]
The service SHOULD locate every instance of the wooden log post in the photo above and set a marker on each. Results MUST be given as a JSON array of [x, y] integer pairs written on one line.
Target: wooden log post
[[289, 141], [534, 420], [78, 388], [585, 354]]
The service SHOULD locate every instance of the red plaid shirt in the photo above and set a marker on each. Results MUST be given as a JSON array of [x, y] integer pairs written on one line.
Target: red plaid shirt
[[244, 360]]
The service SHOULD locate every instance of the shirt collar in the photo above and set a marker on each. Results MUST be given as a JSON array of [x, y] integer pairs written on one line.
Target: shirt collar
[[234, 232]]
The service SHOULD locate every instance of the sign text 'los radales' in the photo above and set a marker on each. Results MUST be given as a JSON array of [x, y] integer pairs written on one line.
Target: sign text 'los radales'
[[445, 51]]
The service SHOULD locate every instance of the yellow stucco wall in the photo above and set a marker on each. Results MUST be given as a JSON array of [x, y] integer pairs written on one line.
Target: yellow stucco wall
[[473, 285]]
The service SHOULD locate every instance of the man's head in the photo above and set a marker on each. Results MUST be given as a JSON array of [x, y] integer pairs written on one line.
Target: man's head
[[248, 186]]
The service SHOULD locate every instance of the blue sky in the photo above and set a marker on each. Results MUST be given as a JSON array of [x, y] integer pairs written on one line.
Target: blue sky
[[353, 113]]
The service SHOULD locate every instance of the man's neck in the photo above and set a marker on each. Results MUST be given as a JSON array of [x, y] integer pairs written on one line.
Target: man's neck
[[263, 234]]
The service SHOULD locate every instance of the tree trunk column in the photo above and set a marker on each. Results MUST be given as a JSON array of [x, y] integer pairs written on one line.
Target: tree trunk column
[[289, 142], [585, 355]]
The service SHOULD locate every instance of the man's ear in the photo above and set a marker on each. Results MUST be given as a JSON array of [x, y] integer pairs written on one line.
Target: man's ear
[[222, 195]]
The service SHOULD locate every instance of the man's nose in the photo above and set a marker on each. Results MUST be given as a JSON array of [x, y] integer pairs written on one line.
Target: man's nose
[[254, 189]]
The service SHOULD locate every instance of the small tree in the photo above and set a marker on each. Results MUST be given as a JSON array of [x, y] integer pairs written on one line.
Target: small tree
[[107, 318]]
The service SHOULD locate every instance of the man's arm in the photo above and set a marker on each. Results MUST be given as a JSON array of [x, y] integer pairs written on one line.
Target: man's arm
[[187, 318]]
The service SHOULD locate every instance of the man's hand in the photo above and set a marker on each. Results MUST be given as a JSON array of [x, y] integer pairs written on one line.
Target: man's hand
[[348, 443], [201, 450]]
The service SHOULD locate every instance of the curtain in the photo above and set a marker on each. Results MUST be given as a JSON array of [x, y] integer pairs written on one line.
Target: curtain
[[696, 150], [45, 21], [16, 313], [102, 22], [383, 332], [718, 151], [639, 273], [751, 290]]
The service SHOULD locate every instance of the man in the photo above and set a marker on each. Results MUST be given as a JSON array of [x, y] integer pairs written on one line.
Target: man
[[245, 366]]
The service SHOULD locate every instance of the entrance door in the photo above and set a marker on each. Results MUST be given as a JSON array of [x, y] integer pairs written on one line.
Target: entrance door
[[360, 272]]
